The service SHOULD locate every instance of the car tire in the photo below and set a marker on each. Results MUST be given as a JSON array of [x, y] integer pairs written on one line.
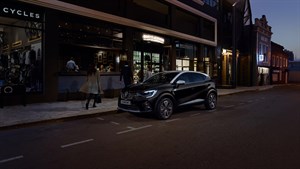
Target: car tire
[[211, 101], [164, 108]]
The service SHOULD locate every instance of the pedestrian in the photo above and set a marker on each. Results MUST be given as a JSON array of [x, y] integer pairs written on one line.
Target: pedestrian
[[126, 74], [110, 67], [92, 86], [71, 65], [148, 72]]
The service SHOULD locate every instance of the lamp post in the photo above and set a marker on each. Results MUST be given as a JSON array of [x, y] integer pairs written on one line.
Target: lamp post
[[234, 66]]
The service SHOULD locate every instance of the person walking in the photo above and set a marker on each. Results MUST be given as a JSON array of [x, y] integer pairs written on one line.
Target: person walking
[[93, 86], [126, 74]]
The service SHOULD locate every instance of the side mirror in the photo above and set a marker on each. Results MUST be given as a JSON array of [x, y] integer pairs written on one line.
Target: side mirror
[[180, 82]]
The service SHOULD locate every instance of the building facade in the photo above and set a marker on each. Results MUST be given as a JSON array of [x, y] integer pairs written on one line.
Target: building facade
[[279, 64], [38, 37], [235, 43], [262, 40]]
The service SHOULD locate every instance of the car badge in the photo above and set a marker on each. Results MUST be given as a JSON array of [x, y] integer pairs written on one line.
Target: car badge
[[126, 94]]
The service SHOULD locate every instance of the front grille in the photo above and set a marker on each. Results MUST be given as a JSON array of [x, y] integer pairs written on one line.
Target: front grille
[[127, 95]]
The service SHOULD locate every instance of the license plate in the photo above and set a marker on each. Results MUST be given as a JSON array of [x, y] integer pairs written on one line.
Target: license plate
[[126, 102]]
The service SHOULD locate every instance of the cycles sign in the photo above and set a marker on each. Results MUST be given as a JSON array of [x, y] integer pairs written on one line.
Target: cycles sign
[[18, 11]]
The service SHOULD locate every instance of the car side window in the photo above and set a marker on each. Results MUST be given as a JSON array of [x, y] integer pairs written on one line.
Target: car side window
[[196, 77], [192, 77], [184, 77]]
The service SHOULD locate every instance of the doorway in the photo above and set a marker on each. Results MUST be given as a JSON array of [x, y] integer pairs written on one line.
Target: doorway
[[226, 68], [141, 60]]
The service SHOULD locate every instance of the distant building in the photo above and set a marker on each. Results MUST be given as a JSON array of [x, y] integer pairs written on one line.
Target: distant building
[[294, 71], [262, 36], [279, 64], [290, 54]]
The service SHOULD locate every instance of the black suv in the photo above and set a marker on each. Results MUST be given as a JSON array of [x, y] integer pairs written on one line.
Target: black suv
[[162, 92]]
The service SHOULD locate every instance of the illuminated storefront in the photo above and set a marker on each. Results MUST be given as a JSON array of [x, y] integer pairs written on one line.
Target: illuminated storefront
[[21, 48]]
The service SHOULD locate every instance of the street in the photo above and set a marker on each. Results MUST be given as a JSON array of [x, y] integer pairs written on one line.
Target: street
[[258, 129]]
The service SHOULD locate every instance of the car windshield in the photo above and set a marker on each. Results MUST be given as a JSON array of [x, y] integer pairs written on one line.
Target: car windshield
[[162, 77]]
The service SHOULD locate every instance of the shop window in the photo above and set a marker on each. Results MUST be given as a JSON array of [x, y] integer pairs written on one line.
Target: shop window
[[182, 64], [21, 56], [89, 42], [185, 56], [137, 63]]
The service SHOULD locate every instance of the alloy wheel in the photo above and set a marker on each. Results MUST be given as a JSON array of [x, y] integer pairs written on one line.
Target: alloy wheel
[[211, 101], [164, 108]]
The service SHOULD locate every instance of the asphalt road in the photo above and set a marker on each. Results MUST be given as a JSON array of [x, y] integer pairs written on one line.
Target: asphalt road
[[255, 130]]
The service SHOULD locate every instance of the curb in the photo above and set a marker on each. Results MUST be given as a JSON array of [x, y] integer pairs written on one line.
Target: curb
[[55, 120]]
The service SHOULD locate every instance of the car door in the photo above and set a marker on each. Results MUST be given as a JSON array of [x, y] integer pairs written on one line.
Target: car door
[[184, 92], [192, 89], [200, 84]]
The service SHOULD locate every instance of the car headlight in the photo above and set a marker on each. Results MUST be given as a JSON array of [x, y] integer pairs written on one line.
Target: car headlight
[[148, 93]]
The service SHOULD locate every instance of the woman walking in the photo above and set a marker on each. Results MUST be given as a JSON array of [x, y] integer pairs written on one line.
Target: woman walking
[[93, 86]]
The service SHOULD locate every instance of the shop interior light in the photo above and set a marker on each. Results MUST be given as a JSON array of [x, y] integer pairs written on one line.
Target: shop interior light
[[224, 51], [261, 58]]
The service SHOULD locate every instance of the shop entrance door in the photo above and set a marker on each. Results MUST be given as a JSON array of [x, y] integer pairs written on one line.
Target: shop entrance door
[[226, 71], [141, 61]]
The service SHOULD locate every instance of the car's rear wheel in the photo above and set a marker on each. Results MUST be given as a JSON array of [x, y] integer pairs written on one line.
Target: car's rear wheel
[[164, 108], [211, 101]]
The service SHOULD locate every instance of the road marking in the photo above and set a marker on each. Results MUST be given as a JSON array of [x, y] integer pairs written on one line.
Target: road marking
[[115, 123], [76, 143], [168, 121], [133, 129], [11, 159], [99, 118]]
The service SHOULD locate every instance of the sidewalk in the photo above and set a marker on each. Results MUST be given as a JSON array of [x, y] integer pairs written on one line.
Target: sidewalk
[[13, 116]]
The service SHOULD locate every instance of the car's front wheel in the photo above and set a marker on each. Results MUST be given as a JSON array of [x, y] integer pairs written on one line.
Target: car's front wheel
[[164, 108], [211, 101]]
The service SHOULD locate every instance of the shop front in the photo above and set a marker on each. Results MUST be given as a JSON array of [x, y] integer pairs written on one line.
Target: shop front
[[151, 52], [226, 68], [21, 50], [88, 42], [263, 76], [109, 45], [196, 57]]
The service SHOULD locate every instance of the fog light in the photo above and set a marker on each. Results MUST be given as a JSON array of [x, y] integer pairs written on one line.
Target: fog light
[[147, 105]]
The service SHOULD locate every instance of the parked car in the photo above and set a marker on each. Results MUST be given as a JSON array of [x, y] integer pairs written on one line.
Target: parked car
[[164, 91]]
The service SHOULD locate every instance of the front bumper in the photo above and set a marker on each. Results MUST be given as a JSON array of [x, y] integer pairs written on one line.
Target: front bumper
[[140, 105]]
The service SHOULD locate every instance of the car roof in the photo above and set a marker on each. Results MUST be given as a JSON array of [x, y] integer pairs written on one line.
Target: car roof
[[183, 71]]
